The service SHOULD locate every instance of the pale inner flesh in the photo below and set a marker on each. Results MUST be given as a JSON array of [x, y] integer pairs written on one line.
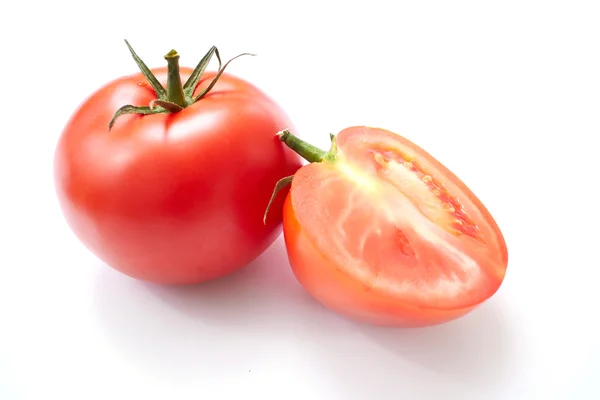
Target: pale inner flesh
[[393, 231]]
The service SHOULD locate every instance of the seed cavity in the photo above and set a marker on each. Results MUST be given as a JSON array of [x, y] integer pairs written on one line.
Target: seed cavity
[[380, 160], [448, 207], [409, 165], [449, 211]]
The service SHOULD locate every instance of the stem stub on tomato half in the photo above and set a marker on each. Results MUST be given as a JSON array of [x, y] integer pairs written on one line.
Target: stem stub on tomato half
[[307, 151]]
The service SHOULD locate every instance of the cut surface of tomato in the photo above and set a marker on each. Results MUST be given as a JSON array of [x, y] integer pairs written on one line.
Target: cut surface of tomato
[[386, 215]]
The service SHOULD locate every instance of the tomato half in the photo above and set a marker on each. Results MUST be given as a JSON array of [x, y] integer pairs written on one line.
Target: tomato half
[[174, 197], [382, 232]]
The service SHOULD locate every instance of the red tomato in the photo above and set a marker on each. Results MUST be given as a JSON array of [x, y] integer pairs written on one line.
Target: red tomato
[[174, 198], [382, 232]]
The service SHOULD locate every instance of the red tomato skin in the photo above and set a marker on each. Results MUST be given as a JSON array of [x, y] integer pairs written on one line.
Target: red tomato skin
[[179, 198], [334, 289]]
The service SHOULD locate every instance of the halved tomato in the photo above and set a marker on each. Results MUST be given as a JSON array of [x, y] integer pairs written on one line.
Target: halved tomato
[[378, 230]]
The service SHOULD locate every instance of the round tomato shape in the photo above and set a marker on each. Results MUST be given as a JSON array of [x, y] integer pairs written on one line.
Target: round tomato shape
[[378, 230], [174, 192]]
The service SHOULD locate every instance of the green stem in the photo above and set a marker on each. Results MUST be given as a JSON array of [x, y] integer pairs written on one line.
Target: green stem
[[177, 96], [174, 87], [306, 150]]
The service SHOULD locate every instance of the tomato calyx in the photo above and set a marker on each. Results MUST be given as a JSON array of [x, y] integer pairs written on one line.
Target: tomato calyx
[[176, 96], [307, 151]]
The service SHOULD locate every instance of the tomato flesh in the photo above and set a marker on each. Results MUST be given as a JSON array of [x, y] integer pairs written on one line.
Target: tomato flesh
[[392, 219]]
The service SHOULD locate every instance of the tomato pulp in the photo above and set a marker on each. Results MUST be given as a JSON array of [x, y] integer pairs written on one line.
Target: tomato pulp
[[379, 230], [176, 196]]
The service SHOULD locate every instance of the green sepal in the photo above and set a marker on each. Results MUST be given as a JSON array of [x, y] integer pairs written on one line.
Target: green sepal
[[160, 91], [167, 105], [218, 75], [129, 109], [283, 182], [190, 85]]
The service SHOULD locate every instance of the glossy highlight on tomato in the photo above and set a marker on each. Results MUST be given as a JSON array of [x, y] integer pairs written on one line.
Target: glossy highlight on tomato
[[174, 192], [380, 231]]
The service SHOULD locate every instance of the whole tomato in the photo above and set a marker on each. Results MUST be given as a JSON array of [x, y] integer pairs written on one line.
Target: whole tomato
[[174, 191]]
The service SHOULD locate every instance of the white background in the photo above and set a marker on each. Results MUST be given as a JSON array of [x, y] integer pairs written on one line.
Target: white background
[[505, 93]]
